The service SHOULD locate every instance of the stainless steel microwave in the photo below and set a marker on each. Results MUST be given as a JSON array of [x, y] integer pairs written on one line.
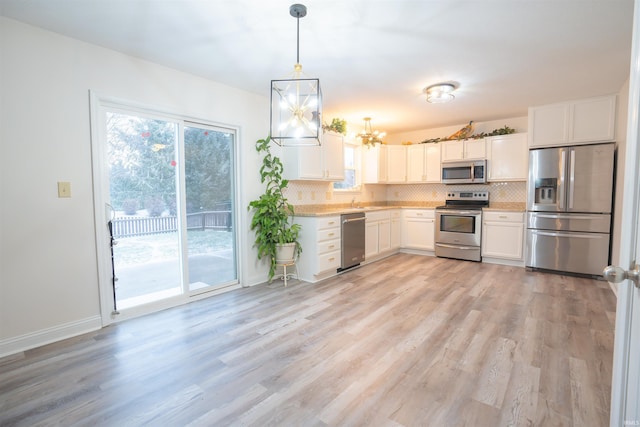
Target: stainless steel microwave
[[465, 172]]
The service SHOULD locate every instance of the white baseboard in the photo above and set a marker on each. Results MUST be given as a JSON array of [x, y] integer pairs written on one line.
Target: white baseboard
[[47, 336]]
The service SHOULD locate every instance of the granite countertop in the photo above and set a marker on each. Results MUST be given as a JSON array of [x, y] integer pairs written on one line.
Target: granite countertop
[[507, 206], [338, 209], [328, 210]]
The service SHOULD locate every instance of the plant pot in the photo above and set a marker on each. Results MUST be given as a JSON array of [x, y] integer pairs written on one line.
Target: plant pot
[[285, 253]]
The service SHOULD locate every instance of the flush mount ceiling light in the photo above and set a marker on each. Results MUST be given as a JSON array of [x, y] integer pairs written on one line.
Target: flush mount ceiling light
[[296, 102], [440, 92], [368, 136]]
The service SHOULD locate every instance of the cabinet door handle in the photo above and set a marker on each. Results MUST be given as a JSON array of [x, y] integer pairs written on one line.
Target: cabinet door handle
[[331, 234], [331, 259], [332, 246], [418, 214], [331, 222], [502, 216]]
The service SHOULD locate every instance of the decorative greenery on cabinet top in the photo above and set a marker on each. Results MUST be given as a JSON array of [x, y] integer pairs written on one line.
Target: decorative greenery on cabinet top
[[337, 125], [461, 135]]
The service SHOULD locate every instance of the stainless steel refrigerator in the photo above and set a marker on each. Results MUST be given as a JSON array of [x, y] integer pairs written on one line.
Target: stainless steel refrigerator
[[569, 203]]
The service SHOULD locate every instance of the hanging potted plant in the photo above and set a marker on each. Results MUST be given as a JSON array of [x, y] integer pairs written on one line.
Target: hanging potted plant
[[272, 213]]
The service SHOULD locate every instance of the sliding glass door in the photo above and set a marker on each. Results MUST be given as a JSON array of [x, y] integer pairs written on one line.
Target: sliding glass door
[[209, 212], [169, 187]]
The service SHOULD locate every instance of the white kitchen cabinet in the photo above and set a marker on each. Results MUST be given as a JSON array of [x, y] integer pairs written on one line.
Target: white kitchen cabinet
[[396, 164], [374, 164], [503, 235], [582, 121], [384, 164], [320, 241], [465, 149], [418, 229], [370, 239], [317, 163], [508, 157], [395, 229], [423, 163], [377, 234]]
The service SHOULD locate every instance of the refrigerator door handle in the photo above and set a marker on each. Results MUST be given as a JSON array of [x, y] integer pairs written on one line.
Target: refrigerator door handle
[[560, 216], [572, 176], [576, 235], [561, 187]]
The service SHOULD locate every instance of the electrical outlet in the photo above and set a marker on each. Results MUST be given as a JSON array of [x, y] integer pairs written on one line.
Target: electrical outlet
[[396, 194], [313, 195], [434, 193], [329, 195], [502, 193], [64, 189], [299, 195]]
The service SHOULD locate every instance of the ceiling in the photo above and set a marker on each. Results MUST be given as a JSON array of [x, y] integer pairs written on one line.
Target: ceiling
[[373, 57]]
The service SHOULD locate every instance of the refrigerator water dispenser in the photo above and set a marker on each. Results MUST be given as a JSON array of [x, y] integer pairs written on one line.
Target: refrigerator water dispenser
[[545, 192]]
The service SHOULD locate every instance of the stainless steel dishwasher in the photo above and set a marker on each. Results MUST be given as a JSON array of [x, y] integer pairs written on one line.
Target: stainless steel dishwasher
[[352, 230]]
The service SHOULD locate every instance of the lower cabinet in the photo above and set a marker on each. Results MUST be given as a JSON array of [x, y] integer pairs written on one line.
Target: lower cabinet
[[418, 229], [396, 228], [320, 240], [377, 234], [503, 235], [386, 231]]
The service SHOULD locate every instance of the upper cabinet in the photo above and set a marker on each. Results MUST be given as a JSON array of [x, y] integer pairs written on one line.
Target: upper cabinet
[[317, 163], [507, 157], [467, 149], [576, 122], [423, 163], [384, 164], [396, 164]]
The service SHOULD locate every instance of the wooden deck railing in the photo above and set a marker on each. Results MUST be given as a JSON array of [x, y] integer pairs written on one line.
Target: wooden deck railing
[[142, 225]]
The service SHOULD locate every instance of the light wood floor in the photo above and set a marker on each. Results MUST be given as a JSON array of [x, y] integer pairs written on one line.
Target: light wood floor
[[408, 341]]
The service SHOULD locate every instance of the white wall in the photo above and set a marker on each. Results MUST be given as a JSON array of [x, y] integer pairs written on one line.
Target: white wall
[[621, 144], [48, 267]]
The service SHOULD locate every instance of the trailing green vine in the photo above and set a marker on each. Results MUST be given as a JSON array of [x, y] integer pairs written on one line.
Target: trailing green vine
[[272, 211]]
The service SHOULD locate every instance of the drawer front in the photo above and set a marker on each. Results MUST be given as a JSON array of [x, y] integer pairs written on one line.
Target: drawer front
[[329, 234], [420, 213], [328, 261], [328, 246], [377, 216], [396, 213], [503, 216], [328, 222]]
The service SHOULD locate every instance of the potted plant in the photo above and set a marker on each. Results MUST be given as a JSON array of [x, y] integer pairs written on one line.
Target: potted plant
[[272, 212]]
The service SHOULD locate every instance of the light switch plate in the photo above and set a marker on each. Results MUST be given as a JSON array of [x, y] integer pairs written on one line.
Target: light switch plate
[[64, 189]]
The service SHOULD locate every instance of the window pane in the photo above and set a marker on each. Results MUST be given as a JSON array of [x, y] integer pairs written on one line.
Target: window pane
[[352, 168], [349, 180], [209, 192], [349, 157]]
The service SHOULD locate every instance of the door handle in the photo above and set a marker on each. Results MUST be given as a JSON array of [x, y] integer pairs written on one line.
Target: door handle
[[572, 177], [353, 220], [561, 188], [615, 274]]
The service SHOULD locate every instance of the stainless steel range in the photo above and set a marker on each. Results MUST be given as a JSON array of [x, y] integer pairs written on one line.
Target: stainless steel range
[[459, 225]]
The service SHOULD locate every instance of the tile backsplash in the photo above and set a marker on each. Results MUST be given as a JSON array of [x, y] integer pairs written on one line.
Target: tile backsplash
[[315, 193]]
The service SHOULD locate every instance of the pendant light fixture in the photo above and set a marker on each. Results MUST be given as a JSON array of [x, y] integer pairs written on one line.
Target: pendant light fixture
[[368, 136], [296, 102]]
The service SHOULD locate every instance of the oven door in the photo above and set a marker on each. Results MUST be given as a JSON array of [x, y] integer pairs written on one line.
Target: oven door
[[458, 227]]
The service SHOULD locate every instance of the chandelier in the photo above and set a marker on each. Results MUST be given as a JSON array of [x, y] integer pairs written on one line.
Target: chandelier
[[368, 136], [296, 102]]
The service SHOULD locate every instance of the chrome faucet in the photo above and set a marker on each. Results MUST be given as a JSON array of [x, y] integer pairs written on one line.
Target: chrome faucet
[[353, 201]]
